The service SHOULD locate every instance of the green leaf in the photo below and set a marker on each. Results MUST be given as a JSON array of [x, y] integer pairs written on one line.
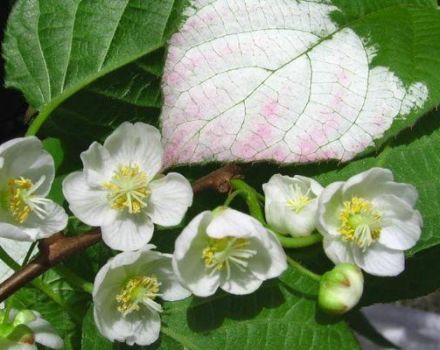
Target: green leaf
[[91, 339], [53, 50], [280, 315]]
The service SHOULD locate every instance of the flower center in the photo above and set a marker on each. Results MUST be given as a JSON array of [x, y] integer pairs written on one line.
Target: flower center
[[360, 223], [21, 201], [140, 290], [298, 200], [221, 253], [128, 189]]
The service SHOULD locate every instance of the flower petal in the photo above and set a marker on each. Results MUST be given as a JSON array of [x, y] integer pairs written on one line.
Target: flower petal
[[89, 204], [277, 189], [380, 261], [329, 206], [366, 184], [401, 223], [45, 334], [187, 258], [54, 221], [241, 282], [402, 235], [98, 165], [25, 157], [338, 251], [145, 328], [230, 222], [170, 198], [170, 288], [128, 232], [271, 260], [136, 144], [13, 232]]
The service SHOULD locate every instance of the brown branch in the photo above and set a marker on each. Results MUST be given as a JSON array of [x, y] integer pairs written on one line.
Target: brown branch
[[218, 180], [57, 248]]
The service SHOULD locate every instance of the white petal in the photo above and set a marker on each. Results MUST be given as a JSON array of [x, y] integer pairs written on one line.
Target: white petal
[[128, 232], [241, 282], [401, 235], [25, 157], [365, 184], [188, 264], [45, 334], [329, 205], [338, 251], [55, 221], [13, 232], [271, 260], [146, 328], [136, 144], [16, 250], [380, 261], [90, 205], [277, 189], [230, 222], [315, 186], [170, 288], [98, 165], [401, 223], [170, 198]]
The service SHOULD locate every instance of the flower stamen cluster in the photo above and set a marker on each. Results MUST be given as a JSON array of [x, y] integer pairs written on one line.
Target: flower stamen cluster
[[128, 189], [221, 253], [360, 222], [299, 199], [140, 290], [21, 201]]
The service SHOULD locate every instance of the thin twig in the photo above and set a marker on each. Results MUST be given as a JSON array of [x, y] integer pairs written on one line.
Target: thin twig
[[57, 248]]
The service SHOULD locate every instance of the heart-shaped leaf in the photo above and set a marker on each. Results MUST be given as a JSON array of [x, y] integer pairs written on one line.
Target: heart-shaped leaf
[[296, 81]]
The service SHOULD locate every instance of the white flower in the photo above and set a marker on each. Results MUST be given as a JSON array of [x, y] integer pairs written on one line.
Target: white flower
[[118, 191], [226, 249], [125, 295], [291, 204], [369, 221], [26, 175], [22, 330]]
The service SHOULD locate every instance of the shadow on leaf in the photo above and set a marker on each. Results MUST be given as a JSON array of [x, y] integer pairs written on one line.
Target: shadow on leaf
[[208, 314]]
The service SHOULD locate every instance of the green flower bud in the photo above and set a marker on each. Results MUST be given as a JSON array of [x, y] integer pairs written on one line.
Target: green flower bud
[[22, 335], [23, 317], [340, 289]]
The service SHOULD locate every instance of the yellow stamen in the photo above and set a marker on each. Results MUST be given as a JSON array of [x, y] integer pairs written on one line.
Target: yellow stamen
[[138, 290], [360, 223], [128, 189], [18, 195], [220, 253], [299, 203]]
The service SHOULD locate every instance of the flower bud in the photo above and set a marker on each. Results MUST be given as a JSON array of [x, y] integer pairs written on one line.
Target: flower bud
[[340, 289]]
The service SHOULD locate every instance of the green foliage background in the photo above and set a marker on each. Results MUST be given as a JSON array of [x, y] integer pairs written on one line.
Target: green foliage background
[[86, 66]]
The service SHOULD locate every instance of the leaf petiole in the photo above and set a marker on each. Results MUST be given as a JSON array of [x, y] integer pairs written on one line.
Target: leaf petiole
[[298, 242], [250, 195], [305, 271]]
